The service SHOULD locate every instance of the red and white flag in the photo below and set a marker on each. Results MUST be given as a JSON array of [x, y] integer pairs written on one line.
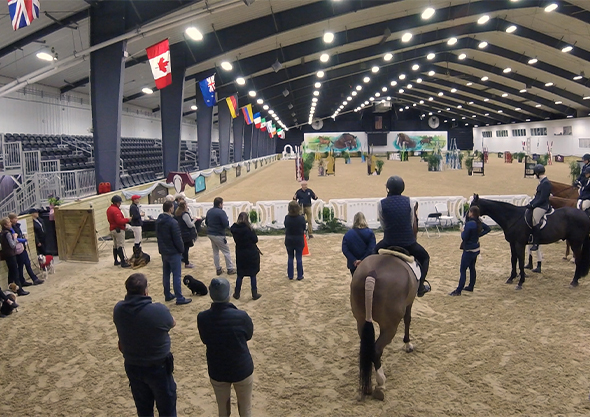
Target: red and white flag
[[159, 58]]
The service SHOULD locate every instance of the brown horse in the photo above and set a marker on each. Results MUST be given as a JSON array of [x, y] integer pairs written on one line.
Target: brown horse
[[559, 189]]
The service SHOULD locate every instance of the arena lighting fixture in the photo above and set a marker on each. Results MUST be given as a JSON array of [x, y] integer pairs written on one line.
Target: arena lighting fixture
[[558, 102], [401, 109], [523, 90], [349, 98], [194, 33], [551, 7], [401, 90], [448, 108], [549, 84], [462, 56], [384, 89], [421, 101], [431, 73], [265, 107], [344, 103], [271, 112], [354, 93], [578, 77], [409, 86], [415, 67], [47, 54], [469, 83], [407, 107], [499, 111], [147, 90], [485, 78], [388, 56], [505, 95], [486, 99], [463, 118], [225, 65], [453, 120], [453, 90], [570, 116], [359, 87], [430, 56], [317, 85], [482, 45], [419, 80], [366, 80], [328, 37], [371, 98], [533, 61], [538, 105], [240, 81], [316, 93], [252, 93], [471, 102], [320, 74], [414, 105], [430, 98], [388, 98], [487, 114], [586, 98], [377, 94], [459, 106], [193, 107], [473, 115], [375, 69], [260, 101], [366, 102], [484, 19], [452, 41], [507, 70], [511, 29], [406, 37], [428, 13], [440, 94], [517, 108], [402, 76], [567, 48], [324, 57]]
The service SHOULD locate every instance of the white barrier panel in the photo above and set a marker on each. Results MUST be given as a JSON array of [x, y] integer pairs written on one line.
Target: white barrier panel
[[426, 206], [517, 200]]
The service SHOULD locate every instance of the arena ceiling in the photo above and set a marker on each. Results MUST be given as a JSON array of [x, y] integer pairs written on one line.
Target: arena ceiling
[[512, 60]]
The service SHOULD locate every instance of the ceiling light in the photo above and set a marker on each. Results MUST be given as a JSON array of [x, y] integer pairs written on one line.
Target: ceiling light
[[359, 88], [388, 56], [371, 98], [507, 70], [147, 90], [317, 85], [430, 56], [414, 105], [421, 101], [366, 80], [384, 89], [375, 69], [349, 98], [328, 37], [240, 81], [193, 107], [578, 77], [324, 57], [415, 67], [320, 74], [314, 100], [459, 106], [409, 86], [586, 98], [533, 61], [471, 102], [499, 111], [406, 37], [194, 33], [354, 93], [344, 103], [393, 83], [487, 114], [505, 95], [538, 105], [453, 90], [226, 66], [265, 107], [430, 98], [428, 13], [551, 7], [316, 93], [486, 99], [44, 55], [259, 101], [469, 83], [484, 19], [523, 90], [559, 102], [431, 73], [510, 29], [448, 108], [440, 94], [485, 78], [549, 84], [366, 102], [402, 76], [452, 41], [482, 45], [401, 109], [401, 90], [419, 80], [271, 112], [252, 93], [517, 108], [377, 94], [473, 115], [567, 48], [462, 56]]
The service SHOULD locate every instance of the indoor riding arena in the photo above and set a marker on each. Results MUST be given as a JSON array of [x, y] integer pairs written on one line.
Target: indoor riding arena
[[111, 110]]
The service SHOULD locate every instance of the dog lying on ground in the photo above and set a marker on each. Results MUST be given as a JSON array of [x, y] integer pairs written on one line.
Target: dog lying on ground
[[139, 258], [46, 265], [196, 286], [7, 309]]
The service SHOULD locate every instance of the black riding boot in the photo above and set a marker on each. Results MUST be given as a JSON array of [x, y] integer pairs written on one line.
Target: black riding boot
[[536, 236], [538, 268], [124, 263], [423, 287], [115, 255], [530, 264]]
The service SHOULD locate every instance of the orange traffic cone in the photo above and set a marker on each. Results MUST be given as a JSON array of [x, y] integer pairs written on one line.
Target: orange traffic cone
[[305, 247]]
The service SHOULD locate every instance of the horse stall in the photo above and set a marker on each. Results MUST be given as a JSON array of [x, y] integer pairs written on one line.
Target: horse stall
[[529, 166], [76, 235]]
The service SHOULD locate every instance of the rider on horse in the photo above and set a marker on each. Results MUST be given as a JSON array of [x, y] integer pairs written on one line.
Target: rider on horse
[[396, 217], [582, 179], [539, 204], [584, 200]]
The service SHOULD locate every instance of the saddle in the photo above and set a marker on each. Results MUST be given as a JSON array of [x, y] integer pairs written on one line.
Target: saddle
[[528, 217], [405, 256]]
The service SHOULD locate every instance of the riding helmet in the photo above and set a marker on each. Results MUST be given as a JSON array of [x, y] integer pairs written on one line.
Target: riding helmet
[[395, 185], [116, 199], [539, 169], [586, 157]]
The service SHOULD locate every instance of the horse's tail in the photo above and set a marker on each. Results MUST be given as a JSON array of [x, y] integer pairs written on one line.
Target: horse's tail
[[367, 351], [584, 265]]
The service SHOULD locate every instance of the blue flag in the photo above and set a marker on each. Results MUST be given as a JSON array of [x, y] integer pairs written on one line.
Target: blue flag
[[208, 90]]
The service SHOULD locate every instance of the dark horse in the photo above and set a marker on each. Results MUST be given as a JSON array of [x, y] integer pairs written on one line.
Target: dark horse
[[565, 224]]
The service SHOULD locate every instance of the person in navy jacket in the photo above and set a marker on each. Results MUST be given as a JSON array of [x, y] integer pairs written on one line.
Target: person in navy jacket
[[358, 242], [582, 179], [474, 228], [584, 200], [540, 203]]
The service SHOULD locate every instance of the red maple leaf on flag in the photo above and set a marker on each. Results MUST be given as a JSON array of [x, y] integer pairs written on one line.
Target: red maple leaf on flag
[[162, 64]]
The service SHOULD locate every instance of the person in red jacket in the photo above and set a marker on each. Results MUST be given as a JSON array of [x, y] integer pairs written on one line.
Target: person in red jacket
[[117, 225]]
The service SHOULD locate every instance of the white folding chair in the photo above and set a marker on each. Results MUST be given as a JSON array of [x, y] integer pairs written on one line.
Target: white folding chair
[[432, 220], [444, 211]]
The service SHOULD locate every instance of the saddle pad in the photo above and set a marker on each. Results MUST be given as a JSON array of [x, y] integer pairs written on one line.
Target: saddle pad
[[407, 259]]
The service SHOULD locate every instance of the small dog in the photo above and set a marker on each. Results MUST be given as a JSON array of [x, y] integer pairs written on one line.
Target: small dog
[[46, 265], [7, 309], [196, 286]]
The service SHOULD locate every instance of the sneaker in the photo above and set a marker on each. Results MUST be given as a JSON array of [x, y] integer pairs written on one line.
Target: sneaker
[[189, 266], [38, 281], [183, 301], [170, 297], [256, 296], [27, 284], [231, 272], [22, 292], [455, 293], [219, 271]]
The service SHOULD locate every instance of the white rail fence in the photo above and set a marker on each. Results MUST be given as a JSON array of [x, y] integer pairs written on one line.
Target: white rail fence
[[12, 155]]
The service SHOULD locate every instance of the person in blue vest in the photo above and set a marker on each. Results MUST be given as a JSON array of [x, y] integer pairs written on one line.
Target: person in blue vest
[[584, 200], [582, 179], [396, 218], [540, 204]]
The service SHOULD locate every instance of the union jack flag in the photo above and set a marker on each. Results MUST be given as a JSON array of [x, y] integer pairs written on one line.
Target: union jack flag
[[23, 12]]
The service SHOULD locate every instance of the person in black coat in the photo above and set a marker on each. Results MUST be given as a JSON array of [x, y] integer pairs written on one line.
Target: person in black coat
[[39, 232], [136, 222], [188, 230], [540, 203], [294, 239], [247, 254]]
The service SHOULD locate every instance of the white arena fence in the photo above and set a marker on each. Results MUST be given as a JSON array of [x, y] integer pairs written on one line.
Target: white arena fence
[[271, 214]]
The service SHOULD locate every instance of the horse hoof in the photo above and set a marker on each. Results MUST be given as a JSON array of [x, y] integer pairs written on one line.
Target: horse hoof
[[518, 287], [573, 284], [509, 280], [409, 348], [565, 258], [378, 394]]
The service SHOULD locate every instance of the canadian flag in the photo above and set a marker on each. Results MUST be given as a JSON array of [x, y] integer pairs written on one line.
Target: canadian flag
[[159, 57]]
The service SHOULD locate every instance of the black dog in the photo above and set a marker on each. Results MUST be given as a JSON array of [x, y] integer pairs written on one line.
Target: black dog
[[196, 286]]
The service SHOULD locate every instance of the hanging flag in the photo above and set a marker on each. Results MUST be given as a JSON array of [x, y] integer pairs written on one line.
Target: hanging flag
[[232, 103], [159, 56], [263, 124], [248, 117], [257, 120], [208, 90], [23, 12]]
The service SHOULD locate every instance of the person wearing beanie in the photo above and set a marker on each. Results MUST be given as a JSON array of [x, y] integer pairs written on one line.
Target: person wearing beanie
[[136, 221], [117, 225], [225, 331]]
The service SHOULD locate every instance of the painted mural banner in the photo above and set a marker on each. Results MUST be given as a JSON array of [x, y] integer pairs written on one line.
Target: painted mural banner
[[418, 142], [336, 142]]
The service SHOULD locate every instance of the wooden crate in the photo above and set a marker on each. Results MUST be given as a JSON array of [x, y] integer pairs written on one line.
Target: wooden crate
[[76, 235]]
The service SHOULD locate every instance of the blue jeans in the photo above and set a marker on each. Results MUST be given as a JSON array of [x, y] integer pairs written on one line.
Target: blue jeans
[[172, 264], [252, 284], [294, 253], [468, 260], [149, 384], [24, 262]]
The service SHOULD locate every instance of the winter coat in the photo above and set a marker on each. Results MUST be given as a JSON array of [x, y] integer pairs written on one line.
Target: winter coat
[[8, 243], [295, 227], [357, 244], [168, 235], [541, 199], [189, 234], [135, 216], [216, 221], [471, 236], [247, 254]]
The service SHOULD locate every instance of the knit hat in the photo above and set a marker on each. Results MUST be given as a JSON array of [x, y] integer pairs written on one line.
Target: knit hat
[[219, 290]]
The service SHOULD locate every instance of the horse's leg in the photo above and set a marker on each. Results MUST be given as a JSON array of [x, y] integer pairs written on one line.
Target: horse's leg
[[407, 320], [567, 250], [513, 261], [519, 249], [386, 334], [577, 252]]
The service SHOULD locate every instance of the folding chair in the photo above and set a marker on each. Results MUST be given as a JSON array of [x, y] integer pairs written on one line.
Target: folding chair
[[433, 219], [443, 209], [102, 242]]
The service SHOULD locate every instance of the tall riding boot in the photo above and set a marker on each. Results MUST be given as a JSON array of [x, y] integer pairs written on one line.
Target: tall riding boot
[[538, 268], [423, 287], [124, 263], [536, 237], [530, 264], [115, 255]]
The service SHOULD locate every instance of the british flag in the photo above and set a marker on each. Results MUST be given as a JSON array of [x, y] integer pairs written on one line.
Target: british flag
[[23, 12]]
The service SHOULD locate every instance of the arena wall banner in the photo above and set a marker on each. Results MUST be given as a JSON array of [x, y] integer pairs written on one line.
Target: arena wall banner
[[357, 141], [200, 184]]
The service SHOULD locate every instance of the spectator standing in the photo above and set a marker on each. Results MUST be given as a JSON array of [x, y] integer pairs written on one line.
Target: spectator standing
[[225, 331], [188, 230], [117, 225], [358, 243], [304, 196], [217, 221], [8, 241], [136, 222], [247, 254], [39, 230], [22, 258], [171, 248], [142, 327], [294, 239]]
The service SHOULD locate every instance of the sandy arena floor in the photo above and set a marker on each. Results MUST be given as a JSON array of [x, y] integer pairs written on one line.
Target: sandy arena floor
[[496, 352]]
